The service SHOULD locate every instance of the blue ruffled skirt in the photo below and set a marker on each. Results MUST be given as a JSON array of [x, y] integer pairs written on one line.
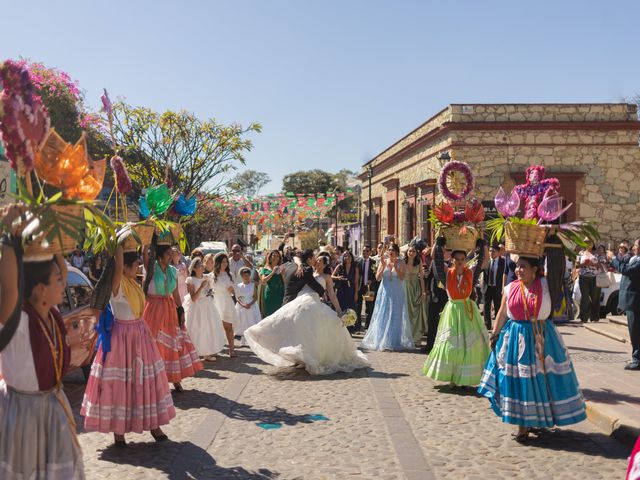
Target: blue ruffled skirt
[[390, 328], [524, 392]]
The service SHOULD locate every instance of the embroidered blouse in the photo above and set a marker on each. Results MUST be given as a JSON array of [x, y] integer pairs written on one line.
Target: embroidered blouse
[[19, 359], [514, 302]]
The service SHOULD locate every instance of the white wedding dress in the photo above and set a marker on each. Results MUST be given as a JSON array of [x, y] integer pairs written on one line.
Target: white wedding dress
[[306, 332]]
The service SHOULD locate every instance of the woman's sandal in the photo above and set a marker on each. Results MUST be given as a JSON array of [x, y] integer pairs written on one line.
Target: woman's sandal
[[522, 437]]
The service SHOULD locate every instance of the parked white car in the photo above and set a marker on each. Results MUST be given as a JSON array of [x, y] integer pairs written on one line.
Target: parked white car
[[609, 295], [213, 247]]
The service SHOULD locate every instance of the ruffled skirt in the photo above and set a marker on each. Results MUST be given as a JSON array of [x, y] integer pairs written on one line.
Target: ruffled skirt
[[175, 346], [525, 392], [36, 439], [127, 391], [462, 346]]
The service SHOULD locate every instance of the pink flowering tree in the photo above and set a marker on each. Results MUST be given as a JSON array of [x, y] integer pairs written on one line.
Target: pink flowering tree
[[64, 100]]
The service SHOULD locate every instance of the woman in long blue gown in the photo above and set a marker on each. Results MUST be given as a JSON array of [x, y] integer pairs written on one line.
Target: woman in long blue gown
[[390, 327]]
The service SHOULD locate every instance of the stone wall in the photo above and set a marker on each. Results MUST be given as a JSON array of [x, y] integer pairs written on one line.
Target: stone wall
[[542, 112], [607, 157]]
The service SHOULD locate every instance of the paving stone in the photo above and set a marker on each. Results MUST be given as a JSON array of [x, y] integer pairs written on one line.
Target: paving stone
[[371, 415]]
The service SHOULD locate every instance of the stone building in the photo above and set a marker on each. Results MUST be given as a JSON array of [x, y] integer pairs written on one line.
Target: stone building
[[591, 148]]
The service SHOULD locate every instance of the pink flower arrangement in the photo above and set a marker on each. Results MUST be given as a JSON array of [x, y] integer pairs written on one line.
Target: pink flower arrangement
[[449, 168], [24, 121], [123, 180]]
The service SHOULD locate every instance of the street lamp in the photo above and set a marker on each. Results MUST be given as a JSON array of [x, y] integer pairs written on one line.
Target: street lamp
[[369, 175], [444, 155], [359, 192]]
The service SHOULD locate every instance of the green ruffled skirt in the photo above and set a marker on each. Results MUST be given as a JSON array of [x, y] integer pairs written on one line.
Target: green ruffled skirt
[[462, 345]]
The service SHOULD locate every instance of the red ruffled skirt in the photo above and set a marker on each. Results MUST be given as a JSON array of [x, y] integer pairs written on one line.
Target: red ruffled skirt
[[175, 346], [128, 390]]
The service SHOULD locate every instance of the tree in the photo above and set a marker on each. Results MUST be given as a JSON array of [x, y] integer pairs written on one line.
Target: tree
[[248, 183], [211, 223], [319, 181], [191, 155], [65, 103], [310, 181]]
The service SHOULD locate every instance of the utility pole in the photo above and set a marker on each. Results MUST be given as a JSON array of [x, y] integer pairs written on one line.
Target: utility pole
[[370, 236]]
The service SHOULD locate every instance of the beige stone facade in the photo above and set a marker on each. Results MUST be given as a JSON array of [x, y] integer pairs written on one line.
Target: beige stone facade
[[592, 148]]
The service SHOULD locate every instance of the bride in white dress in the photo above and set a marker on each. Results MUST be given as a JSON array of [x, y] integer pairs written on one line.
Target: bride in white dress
[[307, 333]]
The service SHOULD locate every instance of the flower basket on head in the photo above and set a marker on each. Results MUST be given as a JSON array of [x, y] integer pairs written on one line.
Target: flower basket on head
[[460, 238], [542, 204], [169, 233], [136, 234], [50, 234], [460, 216], [525, 239]]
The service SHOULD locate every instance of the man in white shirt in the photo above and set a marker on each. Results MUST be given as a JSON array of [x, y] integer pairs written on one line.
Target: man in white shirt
[[237, 260], [77, 259]]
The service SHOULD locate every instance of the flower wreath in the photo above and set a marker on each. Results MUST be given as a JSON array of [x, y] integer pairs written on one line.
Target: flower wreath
[[451, 167]]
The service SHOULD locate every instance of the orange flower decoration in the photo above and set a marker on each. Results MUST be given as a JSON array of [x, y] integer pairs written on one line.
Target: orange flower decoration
[[61, 164], [90, 185]]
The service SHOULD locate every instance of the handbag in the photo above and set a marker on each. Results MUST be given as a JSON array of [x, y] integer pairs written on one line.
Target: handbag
[[602, 280]]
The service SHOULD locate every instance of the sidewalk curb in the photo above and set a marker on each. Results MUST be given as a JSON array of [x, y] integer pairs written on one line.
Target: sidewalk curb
[[617, 321], [605, 334], [612, 424]]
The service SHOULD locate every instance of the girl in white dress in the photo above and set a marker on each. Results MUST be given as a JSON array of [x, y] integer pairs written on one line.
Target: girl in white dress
[[201, 316], [307, 333], [223, 292], [247, 306]]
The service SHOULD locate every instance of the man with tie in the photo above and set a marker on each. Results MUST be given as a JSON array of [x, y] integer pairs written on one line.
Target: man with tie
[[367, 268], [493, 281]]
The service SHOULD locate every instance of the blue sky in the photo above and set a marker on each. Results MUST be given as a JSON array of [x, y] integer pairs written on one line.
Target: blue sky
[[333, 82]]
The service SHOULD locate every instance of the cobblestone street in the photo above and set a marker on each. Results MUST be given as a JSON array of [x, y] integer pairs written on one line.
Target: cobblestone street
[[385, 423]]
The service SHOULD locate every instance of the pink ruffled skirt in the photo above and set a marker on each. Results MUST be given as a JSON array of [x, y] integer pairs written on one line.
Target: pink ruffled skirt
[[128, 391]]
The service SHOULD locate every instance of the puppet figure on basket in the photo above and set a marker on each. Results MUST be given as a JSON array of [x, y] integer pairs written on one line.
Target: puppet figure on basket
[[535, 189]]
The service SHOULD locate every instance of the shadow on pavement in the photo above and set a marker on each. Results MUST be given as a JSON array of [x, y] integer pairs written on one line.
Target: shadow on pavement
[[460, 391], [236, 410], [182, 461], [592, 444], [583, 349], [210, 373], [609, 396], [301, 375]]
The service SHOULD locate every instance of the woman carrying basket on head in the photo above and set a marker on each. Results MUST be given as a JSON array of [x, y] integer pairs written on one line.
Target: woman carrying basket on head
[[37, 430], [127, 390], [461, 348], [529, 377], [164, 314]]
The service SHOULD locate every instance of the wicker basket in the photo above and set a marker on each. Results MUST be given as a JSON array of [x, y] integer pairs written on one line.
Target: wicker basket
[[462, 242], [143, 231], [525, 240], [172, 236], [39, 248]]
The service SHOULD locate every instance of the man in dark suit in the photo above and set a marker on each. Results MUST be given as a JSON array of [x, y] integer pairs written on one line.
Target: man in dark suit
[[493, 276], [294, 282], [437, 294], [629, 298], [367, 268]]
